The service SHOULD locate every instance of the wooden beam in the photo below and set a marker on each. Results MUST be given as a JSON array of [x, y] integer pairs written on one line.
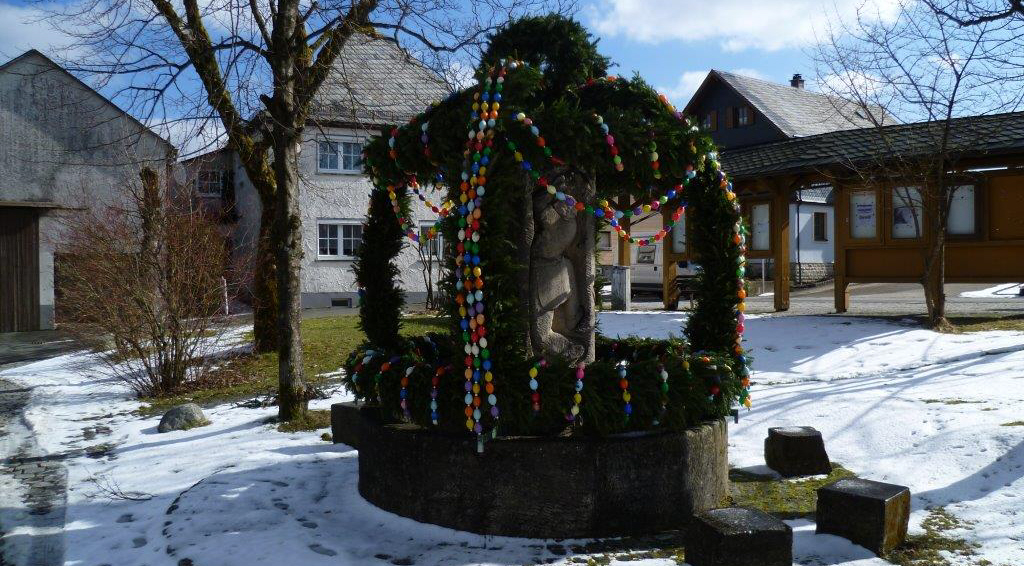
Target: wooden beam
[[841, 231], [780, 246], [669, 289], [625, 255]]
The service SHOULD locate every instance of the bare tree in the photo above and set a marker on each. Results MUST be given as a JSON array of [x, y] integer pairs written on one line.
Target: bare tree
[[253, 68], [978, 12], [919, 67], [145, 276]]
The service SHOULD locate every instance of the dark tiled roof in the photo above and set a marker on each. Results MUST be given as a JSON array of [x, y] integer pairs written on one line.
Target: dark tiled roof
[[815, 194], [969, 136], [798, 112], [374, 82]]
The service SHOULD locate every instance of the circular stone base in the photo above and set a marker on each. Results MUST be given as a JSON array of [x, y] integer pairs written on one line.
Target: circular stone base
[[545, 487]]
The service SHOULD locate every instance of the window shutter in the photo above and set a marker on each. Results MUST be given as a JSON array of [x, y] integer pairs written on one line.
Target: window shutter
[[714, 120], [730, 117], [750, 115]]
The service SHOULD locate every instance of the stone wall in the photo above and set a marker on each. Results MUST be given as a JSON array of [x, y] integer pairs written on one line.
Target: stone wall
[[805, 273], [544, 487]]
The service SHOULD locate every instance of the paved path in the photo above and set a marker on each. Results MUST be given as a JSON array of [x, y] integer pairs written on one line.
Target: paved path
[[33, 484]]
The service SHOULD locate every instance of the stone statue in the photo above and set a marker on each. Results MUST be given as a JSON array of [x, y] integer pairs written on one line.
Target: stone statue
[[561, 280]]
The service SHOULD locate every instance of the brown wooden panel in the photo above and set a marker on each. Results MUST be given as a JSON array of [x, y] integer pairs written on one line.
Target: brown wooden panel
[[995, 261], [884, 263], [19, 270], [1006, 207]]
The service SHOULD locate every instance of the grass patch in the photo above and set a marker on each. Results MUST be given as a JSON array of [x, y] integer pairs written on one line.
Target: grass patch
[[951, 401], [983, 323], [312, 420], [928, 548], [326, 341], [1014, 423], [786, 499]]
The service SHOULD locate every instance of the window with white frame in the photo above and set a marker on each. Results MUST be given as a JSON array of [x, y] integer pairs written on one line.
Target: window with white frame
[[338, 239], [435, 245], [604, 240], [339, 156], [210, 183]]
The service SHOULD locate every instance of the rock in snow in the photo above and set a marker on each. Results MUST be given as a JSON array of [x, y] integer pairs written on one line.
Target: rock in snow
[[182, 417]]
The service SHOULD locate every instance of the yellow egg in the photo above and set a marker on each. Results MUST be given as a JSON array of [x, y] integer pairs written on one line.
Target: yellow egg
[[533, 372], [577, 398]]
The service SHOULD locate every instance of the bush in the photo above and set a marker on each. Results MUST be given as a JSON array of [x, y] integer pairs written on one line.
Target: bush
[[144, 281]]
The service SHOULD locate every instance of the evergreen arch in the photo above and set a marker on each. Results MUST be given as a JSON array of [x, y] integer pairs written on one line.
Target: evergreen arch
[[544, 108]]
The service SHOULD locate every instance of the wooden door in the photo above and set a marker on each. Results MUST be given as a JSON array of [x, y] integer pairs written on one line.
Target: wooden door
[[19, 270]]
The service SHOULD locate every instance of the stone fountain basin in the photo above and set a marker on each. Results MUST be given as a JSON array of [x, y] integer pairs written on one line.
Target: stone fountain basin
[[541, 487]]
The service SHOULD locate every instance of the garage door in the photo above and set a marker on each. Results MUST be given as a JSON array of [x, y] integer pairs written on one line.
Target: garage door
[[19, 269]]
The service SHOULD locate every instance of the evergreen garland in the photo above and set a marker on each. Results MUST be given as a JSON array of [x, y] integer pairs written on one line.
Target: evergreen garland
[[561, 89]]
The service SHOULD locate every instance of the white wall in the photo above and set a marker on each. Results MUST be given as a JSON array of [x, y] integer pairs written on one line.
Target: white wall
[[62, 143], [330, 196], [810, 250]]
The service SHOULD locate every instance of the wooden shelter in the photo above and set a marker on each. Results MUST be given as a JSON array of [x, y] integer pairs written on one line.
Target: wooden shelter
[[883, 208]]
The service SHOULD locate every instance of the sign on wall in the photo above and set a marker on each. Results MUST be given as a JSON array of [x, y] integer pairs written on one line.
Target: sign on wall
[[760, 226], [863, 215], [679, 236]]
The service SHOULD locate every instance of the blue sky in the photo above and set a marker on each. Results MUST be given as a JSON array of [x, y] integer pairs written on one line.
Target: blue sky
[[671, 43]]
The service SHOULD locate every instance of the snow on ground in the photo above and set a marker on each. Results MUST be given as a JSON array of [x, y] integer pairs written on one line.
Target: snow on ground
[[1002, 291], [239, 492]]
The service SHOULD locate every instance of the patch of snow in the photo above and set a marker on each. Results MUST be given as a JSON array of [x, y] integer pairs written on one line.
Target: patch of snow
[[239, 492], [1002, 291]]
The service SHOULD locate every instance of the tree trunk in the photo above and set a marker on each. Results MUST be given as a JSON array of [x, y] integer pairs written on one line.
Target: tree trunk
[[292, 398], [287, 134], [264, 285], [934, 277]]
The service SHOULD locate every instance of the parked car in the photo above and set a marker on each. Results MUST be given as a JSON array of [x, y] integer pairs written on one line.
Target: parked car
[[646, 272]]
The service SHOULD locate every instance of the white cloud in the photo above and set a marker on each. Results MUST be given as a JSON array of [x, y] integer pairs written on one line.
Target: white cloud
[[690, 81], [24, 28], [736, 24]]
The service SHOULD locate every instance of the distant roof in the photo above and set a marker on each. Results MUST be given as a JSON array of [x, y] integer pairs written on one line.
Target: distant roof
[[33, 53], [797, 112], [375, 82], [970, 136], [819, 194]]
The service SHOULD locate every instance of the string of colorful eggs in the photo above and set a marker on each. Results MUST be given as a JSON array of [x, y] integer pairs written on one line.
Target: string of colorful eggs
[[435, 381], [577, 397], [624, 385], [535, 385], [663, 374], [469, 275]]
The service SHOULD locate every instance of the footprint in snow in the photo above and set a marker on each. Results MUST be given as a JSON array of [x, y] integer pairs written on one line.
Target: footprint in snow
[[322, 550], [139, 542]]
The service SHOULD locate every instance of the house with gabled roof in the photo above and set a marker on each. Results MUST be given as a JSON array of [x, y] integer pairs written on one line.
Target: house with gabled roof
[[374, 83], [63, 147], [742, 112]]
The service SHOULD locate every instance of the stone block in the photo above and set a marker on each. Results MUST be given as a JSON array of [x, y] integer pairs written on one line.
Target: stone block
[[737, 536], [182, 417], [796, 451], [869, 513], [345, 423]]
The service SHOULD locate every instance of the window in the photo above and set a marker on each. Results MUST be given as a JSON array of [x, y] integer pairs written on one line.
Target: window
[[743, 116], [711, 121], [339, 156], [820, 227], [907, 213], [604, 240], [210, 183], [645, 254], [338, 240], [435, 245], [962, 218], [760, 226], [863, 215]]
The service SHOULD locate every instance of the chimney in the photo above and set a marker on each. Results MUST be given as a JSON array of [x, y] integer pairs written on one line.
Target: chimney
[[797, 81]]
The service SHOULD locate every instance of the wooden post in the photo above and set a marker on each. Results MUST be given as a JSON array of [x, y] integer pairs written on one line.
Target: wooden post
[[780, 246], [625, 248], [841, 231], [669, 289]]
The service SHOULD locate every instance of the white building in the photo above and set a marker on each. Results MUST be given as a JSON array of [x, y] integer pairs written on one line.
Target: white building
[[63, 147], [375, 84]]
